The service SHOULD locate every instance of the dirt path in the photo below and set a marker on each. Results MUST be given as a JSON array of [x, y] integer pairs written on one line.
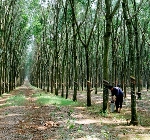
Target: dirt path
[[34, 122]]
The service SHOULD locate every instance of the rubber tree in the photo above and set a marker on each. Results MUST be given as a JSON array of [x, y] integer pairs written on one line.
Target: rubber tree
[[72, 2], [86, 42], [66, 47], [128, 20], [108, 22]]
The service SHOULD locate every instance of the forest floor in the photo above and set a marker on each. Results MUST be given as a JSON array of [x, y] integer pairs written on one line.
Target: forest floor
[[24, 117]]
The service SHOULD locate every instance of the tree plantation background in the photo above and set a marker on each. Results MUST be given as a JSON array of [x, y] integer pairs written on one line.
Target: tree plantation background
[[76, 44]]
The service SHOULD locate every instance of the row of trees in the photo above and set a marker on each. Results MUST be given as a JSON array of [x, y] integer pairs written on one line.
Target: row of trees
[[80, 43], [77, 44], [13, 39]]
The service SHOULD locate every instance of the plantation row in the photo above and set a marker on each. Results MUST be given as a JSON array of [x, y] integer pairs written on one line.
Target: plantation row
[[14, 36], [71, 44]]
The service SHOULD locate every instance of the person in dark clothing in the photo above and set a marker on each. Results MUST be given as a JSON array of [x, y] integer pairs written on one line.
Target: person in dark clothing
[[118, 93]]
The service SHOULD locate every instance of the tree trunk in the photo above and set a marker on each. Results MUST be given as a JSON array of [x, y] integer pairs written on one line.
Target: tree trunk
[[138, 55], [52, 78], [56, 50], [97, 60], [75, 58], [106, 50], [109, 16], [88, 77], [134, 120]]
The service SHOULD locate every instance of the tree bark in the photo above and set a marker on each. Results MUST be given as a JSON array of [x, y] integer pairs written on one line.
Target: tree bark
[[109, 16], [134, 119]]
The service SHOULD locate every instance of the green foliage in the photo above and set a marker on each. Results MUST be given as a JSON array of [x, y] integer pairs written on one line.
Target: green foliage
[[6, 113], [17, 100], [37, 27], [70, 124], [105, 133], [46, 99], [33, 4], [104, 114], [82, 1], [70, 112], [24, 21]]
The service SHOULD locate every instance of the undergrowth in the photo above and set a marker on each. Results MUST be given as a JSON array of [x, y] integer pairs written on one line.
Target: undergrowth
[[46, 99], [17, 100]]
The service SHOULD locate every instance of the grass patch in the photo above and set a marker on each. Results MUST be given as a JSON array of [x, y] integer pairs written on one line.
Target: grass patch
[[46, 99], [17, 100]]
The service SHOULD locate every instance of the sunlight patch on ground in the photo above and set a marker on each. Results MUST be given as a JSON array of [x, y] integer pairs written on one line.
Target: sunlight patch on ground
[[87, 121], [81, 108], [2, 104], [84, 138], [89, 137], [113, 121], [3, 100], [134, 128], [11, 115], [98, 102], [135, 137], [4, 97], [42, 128]]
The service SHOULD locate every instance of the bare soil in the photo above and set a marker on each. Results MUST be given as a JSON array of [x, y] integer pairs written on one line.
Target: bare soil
[[34, 122]]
